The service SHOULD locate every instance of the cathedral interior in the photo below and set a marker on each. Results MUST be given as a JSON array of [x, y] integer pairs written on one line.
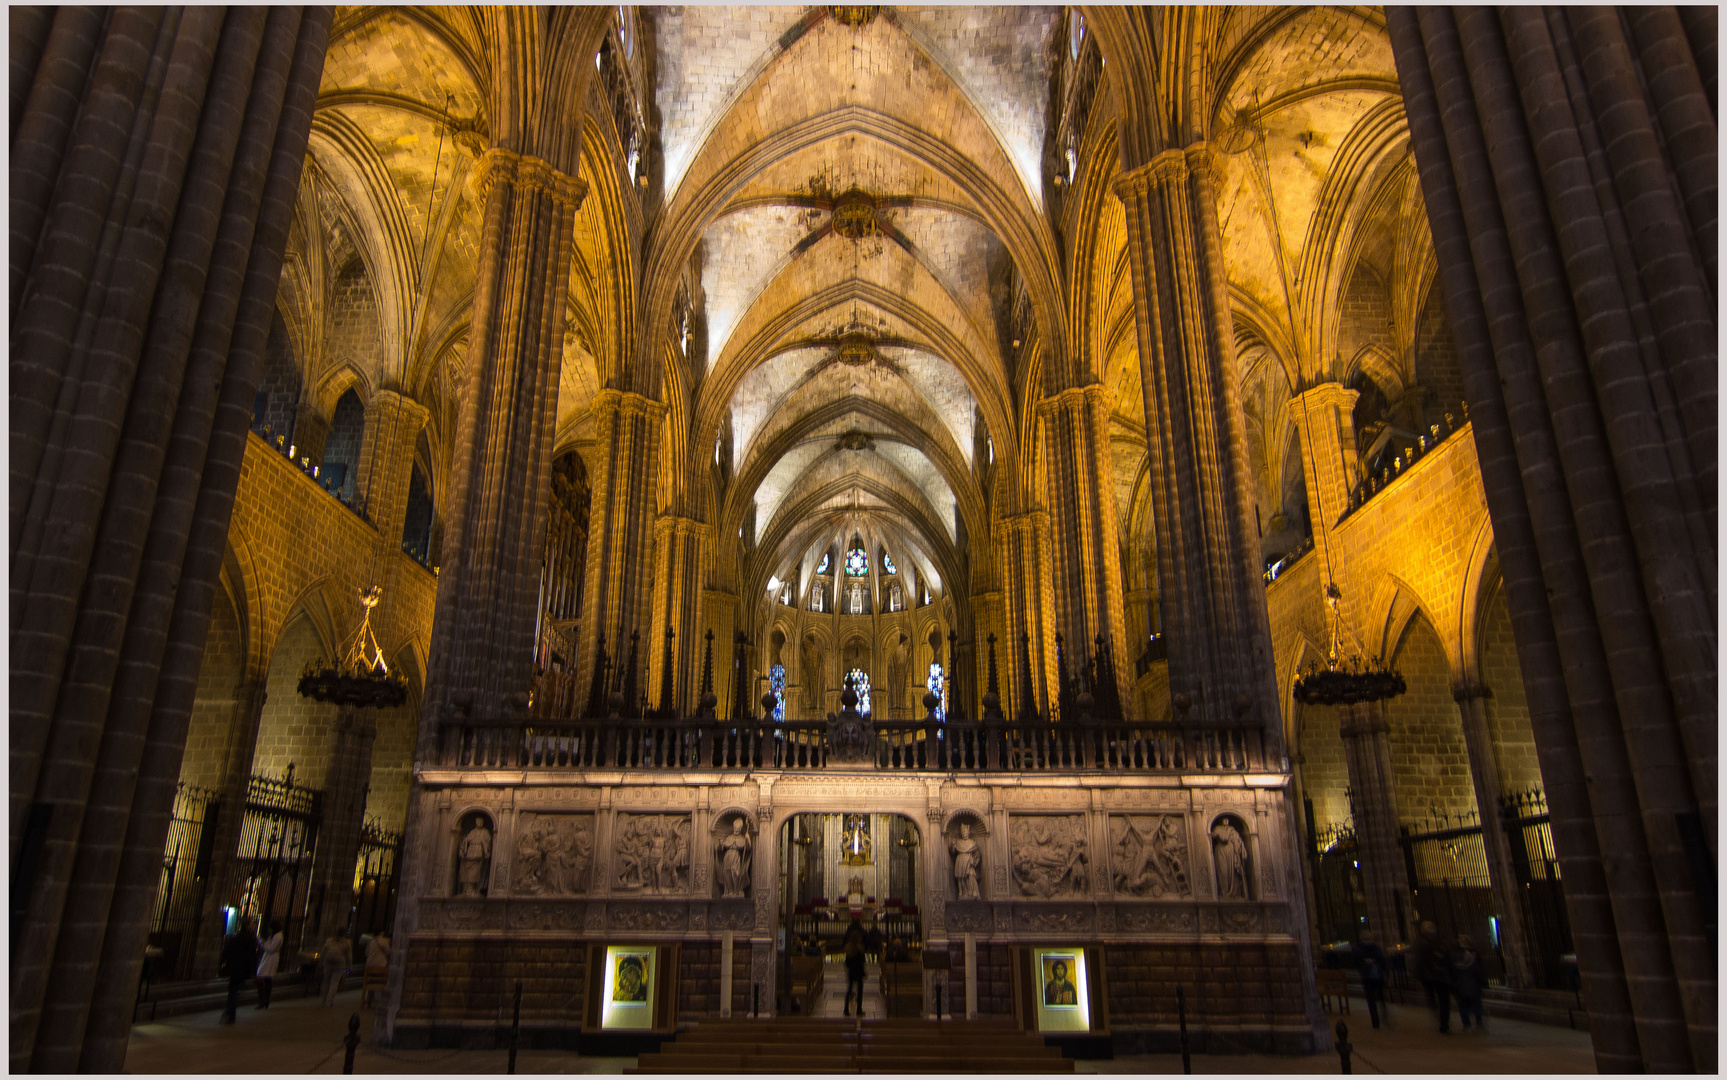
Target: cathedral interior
[[1185, 486]]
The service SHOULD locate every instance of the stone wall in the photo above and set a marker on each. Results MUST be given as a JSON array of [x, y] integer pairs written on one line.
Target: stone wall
[[213, 709], [1507, 709], [1428, 758]]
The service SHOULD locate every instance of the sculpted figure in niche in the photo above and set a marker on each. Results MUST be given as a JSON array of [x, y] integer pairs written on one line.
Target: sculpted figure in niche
[[552, 855], [811, 673], [967, 864], [896, 665], [1049, 856], [735, 861], [1150, 855], [1229, 851], [473, 856]]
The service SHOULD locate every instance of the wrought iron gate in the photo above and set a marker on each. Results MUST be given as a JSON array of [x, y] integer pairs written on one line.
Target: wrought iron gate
[[180, 897], [273, 870], [1340, 903], [376, 873], [1449, 884], [1539, 887]]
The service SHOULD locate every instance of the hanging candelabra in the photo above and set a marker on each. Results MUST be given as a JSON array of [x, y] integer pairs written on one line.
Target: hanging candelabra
[[1361, 681], [360, 677]]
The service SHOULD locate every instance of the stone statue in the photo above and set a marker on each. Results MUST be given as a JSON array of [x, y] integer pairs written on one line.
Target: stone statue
[[472, 855], [735, 862], [896, 665], [1230, 853], [967, 859], [811, 673], [653, 851], [553, 854], [1049, 856]]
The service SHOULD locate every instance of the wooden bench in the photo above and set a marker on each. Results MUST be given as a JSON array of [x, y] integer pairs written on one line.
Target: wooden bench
[[807, 975]]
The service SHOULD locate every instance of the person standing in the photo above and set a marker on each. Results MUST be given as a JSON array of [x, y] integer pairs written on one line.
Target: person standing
[[1470, 978], [854, 951], [269, 959], [238, 963], [1370, 958], [1433, 968], [334, 960]]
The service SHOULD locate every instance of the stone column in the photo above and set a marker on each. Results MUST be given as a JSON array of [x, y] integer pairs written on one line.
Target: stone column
[[1325, 420], [1373, 805], [1025, 548], [345, 787], [617, 593], [1087, 556], [1502, 873], [386, 464], [1208, 556], [679, 563], [482, 641]]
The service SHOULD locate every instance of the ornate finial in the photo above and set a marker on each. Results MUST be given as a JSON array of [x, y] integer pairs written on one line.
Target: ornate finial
[[992, 695], [629, 688], [1027, 706], [956, 711], [708, 698], [597, 689], [667, 707], [853, 15]]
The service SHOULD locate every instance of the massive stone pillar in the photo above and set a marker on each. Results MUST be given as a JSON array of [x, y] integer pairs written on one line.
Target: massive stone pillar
[[154, 160], [679, 563], [249, 699], [345, 785], [1558, 156], [1213, 602], [616, 598], [1325, 422], [1086, 547], [1028, 652], [1502, 873], [1220, 659], [494, 537], [386, 465], [1373, 806]]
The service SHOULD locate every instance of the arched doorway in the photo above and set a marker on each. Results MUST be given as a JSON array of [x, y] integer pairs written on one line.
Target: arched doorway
[[837, 868]]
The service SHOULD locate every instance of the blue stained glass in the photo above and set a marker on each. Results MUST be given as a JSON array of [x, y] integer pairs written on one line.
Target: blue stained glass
[[860, 683], [857, 563], [887, 563], [827, 560], [777, 683], [938, 683]]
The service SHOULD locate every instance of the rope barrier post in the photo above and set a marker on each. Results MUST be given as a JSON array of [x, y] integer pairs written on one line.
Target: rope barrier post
[[1181, 1018], [515, 1028], [352, 1041], [1343, 1047]]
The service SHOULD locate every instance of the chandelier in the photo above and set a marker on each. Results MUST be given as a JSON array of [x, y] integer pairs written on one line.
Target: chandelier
[[1335, 685], [854, 214], [361, 677]]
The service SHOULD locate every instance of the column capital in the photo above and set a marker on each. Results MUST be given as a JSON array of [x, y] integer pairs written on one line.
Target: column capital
[[1028, 520], [527, 173], [1072, 397], [626, 403], [687, 526], [1325, 395], [404, 407], [1172, 164]]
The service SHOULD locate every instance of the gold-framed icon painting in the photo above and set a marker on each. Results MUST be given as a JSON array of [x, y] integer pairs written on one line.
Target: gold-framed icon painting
[[630, 972], [1059, 980]]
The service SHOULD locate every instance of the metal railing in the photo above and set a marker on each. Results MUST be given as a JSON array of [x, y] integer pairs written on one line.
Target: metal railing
[[900, 746]]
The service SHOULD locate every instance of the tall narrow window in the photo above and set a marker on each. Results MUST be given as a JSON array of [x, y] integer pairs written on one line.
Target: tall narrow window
[[816, 597], [786, 594], [860, 683], [887, 566], [827, 561], [777, 683], [895, 598], [938, 684], [857, 599]]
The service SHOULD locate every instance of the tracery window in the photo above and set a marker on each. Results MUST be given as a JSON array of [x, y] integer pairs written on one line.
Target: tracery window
[[938, 684], [887, 566], [827, 561], [860, 683], [777, 683], [857, 563], [1075, 33]]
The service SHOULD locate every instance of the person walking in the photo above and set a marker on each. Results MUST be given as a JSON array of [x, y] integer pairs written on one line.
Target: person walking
[[1370, 958], [854, 952], [269, 959], [334, 960], [239, 962], [1433, 968], [1469, 975]]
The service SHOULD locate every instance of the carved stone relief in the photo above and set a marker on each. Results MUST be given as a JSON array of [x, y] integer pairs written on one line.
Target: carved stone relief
[[968, 916], [644, 917], [733, 915], [653, 853], [1156, 920], [1067, 919], [553, 854], [1148, 855], [541, 915], [1050, 859]]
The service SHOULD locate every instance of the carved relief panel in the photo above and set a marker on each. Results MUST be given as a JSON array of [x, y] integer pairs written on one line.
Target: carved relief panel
[[554, 854], [1149, 857], [651, 853], [1049, 855]]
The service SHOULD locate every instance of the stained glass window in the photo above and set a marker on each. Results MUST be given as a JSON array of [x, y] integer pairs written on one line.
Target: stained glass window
[[887, 565], [827, 560], [860, 683], [777, 683], [938, 683], [857, 563]]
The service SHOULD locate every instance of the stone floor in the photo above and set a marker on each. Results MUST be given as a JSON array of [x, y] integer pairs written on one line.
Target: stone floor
[[299, 1036]]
